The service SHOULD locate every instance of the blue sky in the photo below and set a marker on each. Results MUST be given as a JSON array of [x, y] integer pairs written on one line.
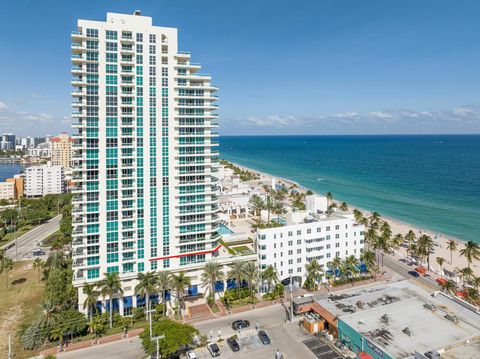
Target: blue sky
[[283, 67]]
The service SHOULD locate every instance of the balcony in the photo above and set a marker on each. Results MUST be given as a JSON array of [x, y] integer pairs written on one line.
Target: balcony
[[77, 35]]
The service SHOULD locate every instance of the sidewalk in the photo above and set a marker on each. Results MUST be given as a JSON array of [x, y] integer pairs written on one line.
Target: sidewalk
[[89, 343]]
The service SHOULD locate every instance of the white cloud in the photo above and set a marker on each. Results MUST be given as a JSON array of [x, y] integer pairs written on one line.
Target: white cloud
[[37, 95], [3, 106], [463, 119]]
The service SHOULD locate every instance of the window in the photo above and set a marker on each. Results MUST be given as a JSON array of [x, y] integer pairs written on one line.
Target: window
[[299, 233], [111, 57], [319, 230], [152, 38], [139, 37], [328, 228], [111, 35], [92, 33], [111, 46], [309, 231]]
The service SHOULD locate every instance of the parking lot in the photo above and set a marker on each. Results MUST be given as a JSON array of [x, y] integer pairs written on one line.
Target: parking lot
[[288, 338]]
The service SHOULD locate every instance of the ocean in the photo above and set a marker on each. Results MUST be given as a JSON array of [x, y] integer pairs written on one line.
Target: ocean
[[431, 181]]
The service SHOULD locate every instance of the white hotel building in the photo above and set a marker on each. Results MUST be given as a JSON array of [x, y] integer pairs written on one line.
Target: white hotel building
[[44, 179], [145, 155], [307, 236]]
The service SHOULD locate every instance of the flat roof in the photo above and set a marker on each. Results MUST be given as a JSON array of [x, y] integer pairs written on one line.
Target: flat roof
[[403, 303]]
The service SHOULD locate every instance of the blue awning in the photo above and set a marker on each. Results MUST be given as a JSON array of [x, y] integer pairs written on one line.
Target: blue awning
[[128, 302], [219, 286], [154, 299], [231, 283], [99, 307], [140, 301], [193, 290], [168, 295]]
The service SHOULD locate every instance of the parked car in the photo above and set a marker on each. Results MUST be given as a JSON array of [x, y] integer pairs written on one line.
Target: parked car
[[213, 349], [263, 337], [38, 252], [414, 273], [191, 355], [240, 324], [233, 344]]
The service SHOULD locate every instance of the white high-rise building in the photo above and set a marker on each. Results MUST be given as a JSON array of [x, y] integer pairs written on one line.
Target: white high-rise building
[[43, 180], [144, 156]]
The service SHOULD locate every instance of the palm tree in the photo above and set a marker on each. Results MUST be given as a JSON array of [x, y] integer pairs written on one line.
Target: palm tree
[[397, 240], [370, 235], [425, 248], [465, 273], [410, 237], [440, 261], [95, 327], [351, 264], [329, 196], [237, 273], [179, 282], [38, 264], [452, 247], [49, 314], [471, 252], [314, 272], [279, 195], [475, 281], [164, 282], [6, 265], [212, 272], [257, 204], [358, 215], [91, 297], [269, 206], [270, 276], [472, 294], [375, 219], [335, 264], [147, 285], [250, 272], [448, 286], [57, 334], [109, 285], [368, 257], [343, 206], [278, 209]]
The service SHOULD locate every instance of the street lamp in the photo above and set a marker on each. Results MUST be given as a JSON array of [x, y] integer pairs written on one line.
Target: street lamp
[[157, 338]]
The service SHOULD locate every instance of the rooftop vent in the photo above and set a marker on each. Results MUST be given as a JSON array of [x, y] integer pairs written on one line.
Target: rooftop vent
[[137, 13], [432, 354], [407, 331], [432, 307], [452, 318], [384, 318]]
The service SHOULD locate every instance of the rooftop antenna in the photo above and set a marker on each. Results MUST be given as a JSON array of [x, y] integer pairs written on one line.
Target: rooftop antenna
[[137, 13]]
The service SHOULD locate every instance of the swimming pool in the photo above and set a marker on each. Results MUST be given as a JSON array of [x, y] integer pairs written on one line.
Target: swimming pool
[[224, 230]]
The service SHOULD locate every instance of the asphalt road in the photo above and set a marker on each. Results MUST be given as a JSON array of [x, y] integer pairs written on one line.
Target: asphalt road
[[30, 240], [403, 269]]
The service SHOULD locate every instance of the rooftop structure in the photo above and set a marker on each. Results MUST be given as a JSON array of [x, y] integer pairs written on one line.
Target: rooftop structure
[[396, 320]]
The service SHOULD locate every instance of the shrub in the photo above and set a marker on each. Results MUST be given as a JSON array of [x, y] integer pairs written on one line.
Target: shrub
[[34, 336], [138, 313], [233, 294], [343, 281]]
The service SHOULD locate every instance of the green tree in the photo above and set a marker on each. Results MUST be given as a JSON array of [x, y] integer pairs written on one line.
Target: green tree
[[452, 247], [270, 276], [147, 285], [91, 297], [6, 265], [278, 209], [71, 321], [314, 274], [177, 335], [250, 274], [343, 206], [179, 282], [9, 216], [257, 204], [441, 261], [397, 241], [237, 272], [38, 264], [368, 257], [471, 251], [410, 238], [448, 286], [329, 196], [164, 283], [109, 285], [358, 215], [96, 327], [374, 220], [212, 273], [425, 248], [269, 206], [59, 290]]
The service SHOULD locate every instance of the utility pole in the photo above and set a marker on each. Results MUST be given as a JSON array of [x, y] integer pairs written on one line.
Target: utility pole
[[158, 347], [15, 241], [149, 312], [10, 353], [291, 300]]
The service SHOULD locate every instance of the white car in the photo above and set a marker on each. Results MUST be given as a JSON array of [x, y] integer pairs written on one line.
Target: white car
[[191, 355]]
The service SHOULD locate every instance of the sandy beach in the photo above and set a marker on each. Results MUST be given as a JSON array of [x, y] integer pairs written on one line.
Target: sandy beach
[[399, 227]]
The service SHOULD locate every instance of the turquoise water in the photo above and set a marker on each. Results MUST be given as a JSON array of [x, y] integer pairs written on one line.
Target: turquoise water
[[429, 181], [224, 230]]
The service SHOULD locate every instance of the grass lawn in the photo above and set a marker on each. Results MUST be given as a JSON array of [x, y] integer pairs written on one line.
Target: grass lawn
[[20, 304], [21, 231], [242, 249], [48, 242]]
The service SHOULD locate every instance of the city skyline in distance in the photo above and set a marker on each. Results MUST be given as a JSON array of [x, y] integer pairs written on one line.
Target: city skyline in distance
[[318, 68]]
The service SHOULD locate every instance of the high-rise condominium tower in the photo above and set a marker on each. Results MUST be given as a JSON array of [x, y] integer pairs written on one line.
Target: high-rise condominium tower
[[144, 156]]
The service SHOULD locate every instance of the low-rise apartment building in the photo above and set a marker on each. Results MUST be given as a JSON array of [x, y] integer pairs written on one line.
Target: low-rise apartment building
[[7, 190], [306, 236]]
